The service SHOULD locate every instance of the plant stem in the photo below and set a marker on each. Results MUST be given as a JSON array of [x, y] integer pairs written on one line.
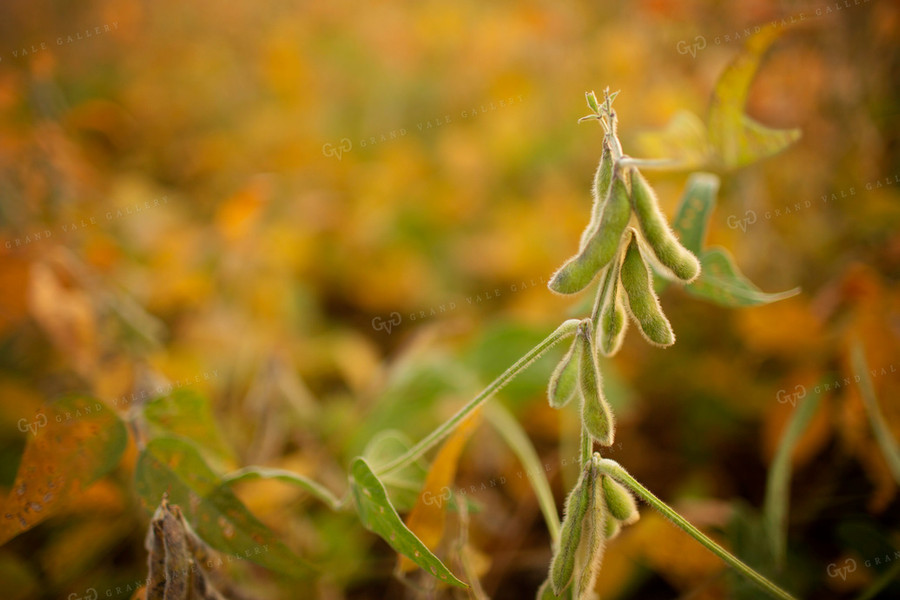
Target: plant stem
[[517, 440], [587, 445], [615, 470], [566, 329], [315, 489]]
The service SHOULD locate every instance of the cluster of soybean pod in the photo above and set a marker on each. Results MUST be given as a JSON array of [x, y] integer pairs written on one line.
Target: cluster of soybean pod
[[599, 505]]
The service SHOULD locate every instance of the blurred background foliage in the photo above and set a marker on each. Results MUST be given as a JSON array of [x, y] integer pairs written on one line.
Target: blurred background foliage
[[334, 219]]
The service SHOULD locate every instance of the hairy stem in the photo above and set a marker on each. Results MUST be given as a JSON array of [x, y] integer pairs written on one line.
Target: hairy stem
[[615, 470], [517, 440], [587, 446], [563, 331]]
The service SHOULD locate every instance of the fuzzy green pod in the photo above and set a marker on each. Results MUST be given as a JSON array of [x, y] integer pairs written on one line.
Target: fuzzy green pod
[[609, 313], [595, 412], [563, 563], [564, 381], [594, 536], [642, 301], [619, 500], [599, 249], [600, 192], [611, 528], [666, 247]]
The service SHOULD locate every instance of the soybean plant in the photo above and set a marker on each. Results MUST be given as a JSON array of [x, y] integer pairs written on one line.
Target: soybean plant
[[622, 258]]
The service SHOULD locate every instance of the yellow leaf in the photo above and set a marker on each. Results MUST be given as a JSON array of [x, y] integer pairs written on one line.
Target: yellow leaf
[[427, 517]]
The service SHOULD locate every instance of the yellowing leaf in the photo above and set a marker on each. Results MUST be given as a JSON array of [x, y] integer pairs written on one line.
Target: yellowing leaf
[[426, 520], [70, 444], [684, 138], [737, 139], [730, 138]]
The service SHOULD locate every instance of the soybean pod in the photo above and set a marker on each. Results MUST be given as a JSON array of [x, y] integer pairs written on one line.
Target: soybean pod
[[666, 247], [642, 301], [579, 270]]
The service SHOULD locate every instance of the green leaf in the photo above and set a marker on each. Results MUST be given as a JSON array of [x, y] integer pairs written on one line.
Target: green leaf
[[778, 484], [70, 444], [405, 484], [379, 516], [738, 140], [186, 414], [173, 466], [695, 209], [721, 282]]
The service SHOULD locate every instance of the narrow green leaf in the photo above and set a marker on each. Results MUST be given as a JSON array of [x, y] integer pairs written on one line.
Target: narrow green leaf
[[695, 209], [174, 467], [379, 516], [879, 427], [778, 484], [722, 283], [737, 139], [70, 444], [186, 414], [591, 98]]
